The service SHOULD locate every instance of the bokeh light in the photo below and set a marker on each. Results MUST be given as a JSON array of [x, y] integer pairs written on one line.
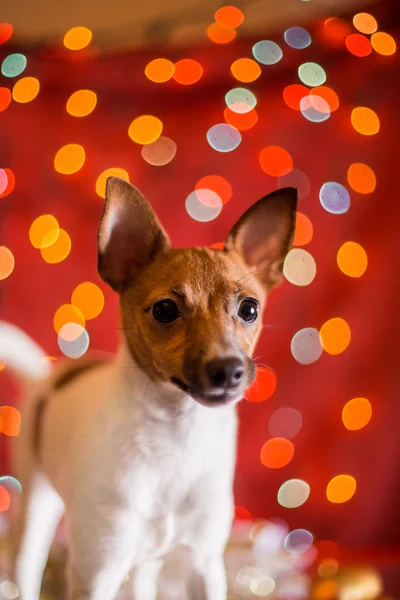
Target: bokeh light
[[293, 493], [328, 567], [219, 34], [335, 335], [7, 262], [25, 89], [241, 121], [299, 267], [145, 129], [352, 259], [58, 251], [44, 231], [304, 230], [298, 541], [358, 44], [311, 74], [365, 23], [327, 94], [240, 100], [229, 16], [9, 590], [5, 98], [245, 69], [73, 340], [187, 71], [13, 65], [383, 43], [297, 179], [68, 313], [81, 103], [77, 38], [89, 298], [217, 184], [336, 30], [365, 120], [334, 198], [356, 414], [361, 178], [314, 108], [3, 181], [11, 419], [263, 387], [160, 152], [275, 161], [102, 179], [297, 37], [6, 31], [341, 489], [306, 346], [262, 586], [5, 499], [159, 70], [201, 210], [267, 52], [223, 137], [277, 453], [285, 423], [10, 183], [69, 159], [293, 94]]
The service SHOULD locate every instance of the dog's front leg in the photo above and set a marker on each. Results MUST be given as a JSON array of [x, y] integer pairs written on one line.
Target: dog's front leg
[[208, 578], [144, 580]]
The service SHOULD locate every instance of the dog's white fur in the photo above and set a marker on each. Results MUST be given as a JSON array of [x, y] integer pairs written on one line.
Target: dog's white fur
[[139, 469]]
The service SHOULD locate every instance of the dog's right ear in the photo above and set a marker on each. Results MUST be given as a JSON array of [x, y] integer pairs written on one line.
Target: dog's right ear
[[129, 235]]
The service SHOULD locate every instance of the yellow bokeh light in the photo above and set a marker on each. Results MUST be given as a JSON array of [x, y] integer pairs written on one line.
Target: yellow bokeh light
[[357, 413], [383, 43], [58, 251], [361, 178], [25, 89], [69, 159], [352, 259], [102, 179], [365, 23], [341, 488], [159, 70], [7, 262], [77, 38], [68, 313], [335, 336], [145, 129], [365, 120], [2, 366], [245, 69], [89, 298], [81, 103], [44, 231]]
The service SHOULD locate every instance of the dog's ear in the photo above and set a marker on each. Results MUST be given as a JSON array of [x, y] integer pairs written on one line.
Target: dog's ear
[[129, 234], [264, 234]]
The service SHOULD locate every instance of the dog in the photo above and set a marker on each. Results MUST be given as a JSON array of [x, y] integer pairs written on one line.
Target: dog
[[139, 452]]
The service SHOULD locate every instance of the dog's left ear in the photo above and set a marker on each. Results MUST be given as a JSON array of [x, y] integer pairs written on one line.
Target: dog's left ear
[[129, 235], [264, 234]]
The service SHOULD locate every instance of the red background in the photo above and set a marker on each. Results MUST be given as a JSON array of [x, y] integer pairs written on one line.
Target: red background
[[31, 135]]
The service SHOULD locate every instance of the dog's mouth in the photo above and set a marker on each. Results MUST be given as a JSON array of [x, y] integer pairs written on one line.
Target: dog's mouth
[[208, 397]]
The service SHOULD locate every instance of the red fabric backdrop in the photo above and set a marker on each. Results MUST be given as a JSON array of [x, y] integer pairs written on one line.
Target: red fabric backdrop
[[31, 135]]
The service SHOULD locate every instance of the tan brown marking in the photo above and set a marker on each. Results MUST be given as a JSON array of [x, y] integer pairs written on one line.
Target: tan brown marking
[[70, 374], [39, 409]]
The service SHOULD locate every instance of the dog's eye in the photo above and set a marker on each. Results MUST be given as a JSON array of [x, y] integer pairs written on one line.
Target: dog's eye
[[248, 310], [165, 311]]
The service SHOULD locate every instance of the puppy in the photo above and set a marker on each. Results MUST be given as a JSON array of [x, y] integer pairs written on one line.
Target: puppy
[[140, 452]]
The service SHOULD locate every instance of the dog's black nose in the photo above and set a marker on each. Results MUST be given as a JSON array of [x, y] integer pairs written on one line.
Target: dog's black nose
[[225, 372]]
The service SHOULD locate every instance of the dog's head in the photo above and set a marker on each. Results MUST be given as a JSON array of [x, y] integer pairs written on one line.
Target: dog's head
[[192, 317]]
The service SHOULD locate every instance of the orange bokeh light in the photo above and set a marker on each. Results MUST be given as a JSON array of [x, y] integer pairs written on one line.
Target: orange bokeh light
[[69, 159], [7, 262], [352, 259], [358, 44], [341, 488], [5, 98], [365, 23], [44, 231], [277, 453], [356, 414], [304, 230], [6, 31], [292, 95], [335, 336], [217, 184], [5, 500], [89, 298], [336, 31], [10, 183], [218, 245], [102, 179], [159, 70], [11, 420], [242, 121], [145, 129], [77, 38], [383, 43], [68, 313], [327, 94], [245, 69], [229, 16], [187, 71], [242, 514], [361, 178], [275, 161], [58, 251], [365, 120], [263, 387], [219, 34]]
